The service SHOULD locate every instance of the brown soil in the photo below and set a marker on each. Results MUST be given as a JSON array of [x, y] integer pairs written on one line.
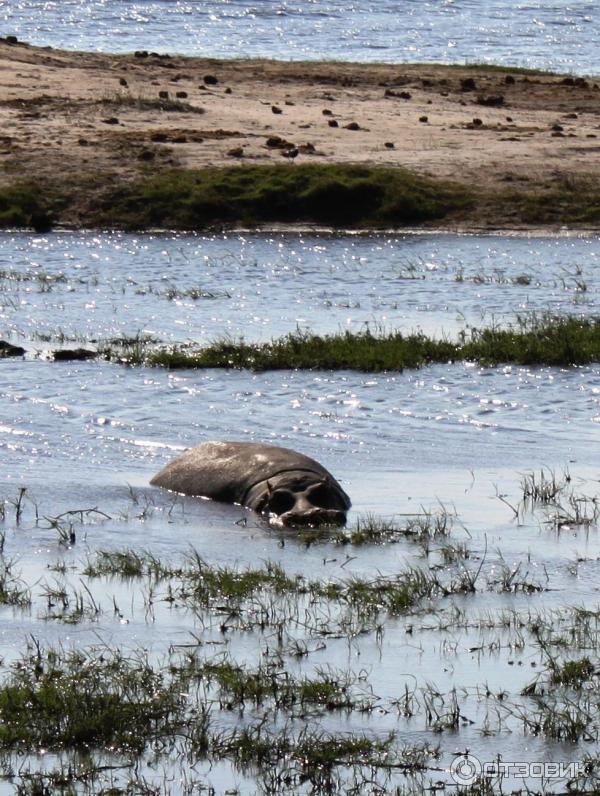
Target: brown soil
[[68, 115]]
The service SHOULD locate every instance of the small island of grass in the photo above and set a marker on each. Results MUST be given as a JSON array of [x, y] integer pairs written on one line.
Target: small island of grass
[[556, 341]]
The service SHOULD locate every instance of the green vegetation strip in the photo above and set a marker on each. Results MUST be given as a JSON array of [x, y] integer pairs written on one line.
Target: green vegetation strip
[[331, 194], [238, 684], [560, 341], [201, 584], [103, 700], [327, 194]]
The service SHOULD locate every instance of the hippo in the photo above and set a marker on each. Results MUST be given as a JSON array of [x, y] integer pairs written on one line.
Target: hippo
[[288, 487]]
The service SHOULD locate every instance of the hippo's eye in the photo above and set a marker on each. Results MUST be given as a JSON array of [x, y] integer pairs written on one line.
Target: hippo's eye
[[281, 501]]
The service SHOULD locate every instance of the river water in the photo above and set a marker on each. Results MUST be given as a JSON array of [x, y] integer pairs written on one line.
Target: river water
[[81, 435], [561, 35]]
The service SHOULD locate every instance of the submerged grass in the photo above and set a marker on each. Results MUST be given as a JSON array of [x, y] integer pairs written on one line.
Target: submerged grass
[[573, 673], [78, 700], [239, 684], [202, 585], [12, 591], [555, 495], [119, 712], [369, 529], [556, 341]]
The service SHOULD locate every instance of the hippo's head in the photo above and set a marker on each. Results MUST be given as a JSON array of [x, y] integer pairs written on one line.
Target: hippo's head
[[293, 499]]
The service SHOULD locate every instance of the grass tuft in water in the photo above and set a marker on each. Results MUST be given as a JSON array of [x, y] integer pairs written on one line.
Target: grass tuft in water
[[239, 684], [562, 506], [54, 699], [557, 341], [126, 564], [543, 488], [372, 529], [202, 585], [573, 673], [12, 590]]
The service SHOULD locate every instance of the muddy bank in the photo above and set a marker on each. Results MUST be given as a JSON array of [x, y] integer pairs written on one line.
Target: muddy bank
[[82, 131]]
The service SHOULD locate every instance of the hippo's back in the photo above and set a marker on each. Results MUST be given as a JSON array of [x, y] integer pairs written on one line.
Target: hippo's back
[[227, 470]]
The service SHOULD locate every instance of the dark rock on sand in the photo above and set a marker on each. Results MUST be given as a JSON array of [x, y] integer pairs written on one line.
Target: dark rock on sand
[[491, 101]]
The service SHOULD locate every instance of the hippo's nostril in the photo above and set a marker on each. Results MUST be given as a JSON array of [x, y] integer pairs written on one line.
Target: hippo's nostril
[[280, 501]]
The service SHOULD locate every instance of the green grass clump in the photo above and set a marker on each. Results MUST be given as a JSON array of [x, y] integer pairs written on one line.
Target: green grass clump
[[81, 700], [12, 591], [317, 751], [362, 351], [123, 563], [338, 195], [395, 595], [559, 341], [238, 684], [202, 583], [330, 194], [22, 205], [565, 205], [368, 529], [199, 584], [573, 673], [538, 341]]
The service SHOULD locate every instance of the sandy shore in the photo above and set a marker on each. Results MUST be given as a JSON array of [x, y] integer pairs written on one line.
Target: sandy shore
[[66, 115]]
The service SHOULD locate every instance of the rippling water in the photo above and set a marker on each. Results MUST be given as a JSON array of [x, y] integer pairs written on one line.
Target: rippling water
[[91, 434], [121, 424], [561, 35], [180, 288]]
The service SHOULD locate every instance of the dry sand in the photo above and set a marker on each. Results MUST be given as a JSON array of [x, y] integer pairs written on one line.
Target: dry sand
[[68, 115]]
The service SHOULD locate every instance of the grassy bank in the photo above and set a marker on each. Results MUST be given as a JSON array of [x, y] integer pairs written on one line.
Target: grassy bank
[[565, 200], [336, 195], [328, 194], [547, 341], [23, 205]]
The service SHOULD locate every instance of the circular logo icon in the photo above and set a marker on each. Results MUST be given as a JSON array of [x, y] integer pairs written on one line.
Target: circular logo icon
[[465, 769]]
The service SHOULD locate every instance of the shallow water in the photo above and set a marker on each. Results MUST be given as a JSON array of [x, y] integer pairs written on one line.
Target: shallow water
[[178, 288], [90, 435], [561, 35]]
